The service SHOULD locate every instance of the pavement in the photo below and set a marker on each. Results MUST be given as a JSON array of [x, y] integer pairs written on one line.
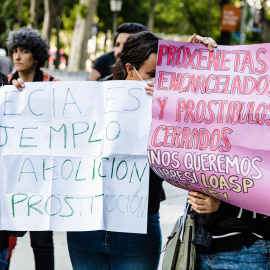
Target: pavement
[[170, 210], [64, 75]]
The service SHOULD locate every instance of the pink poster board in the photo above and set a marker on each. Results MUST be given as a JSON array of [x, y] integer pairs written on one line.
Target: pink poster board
[[211, 121]]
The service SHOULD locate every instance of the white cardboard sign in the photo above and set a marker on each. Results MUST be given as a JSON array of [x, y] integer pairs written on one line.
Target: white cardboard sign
[[73, 156]]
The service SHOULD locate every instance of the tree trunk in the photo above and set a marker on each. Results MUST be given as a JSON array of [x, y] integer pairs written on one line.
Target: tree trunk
[[266, 31], [50, 11], [151, 18], [19, 5], [34, 13], [81, 34]]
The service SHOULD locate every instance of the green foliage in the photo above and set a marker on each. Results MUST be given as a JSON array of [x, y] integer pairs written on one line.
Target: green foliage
[[174, 16], [10, 18], [82, 10], [182, 17], [132, 11], [69, 14], [187, 17]]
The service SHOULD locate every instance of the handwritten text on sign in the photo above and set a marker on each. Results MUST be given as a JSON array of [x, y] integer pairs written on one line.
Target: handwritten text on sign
[[73, 156], [211, 118]]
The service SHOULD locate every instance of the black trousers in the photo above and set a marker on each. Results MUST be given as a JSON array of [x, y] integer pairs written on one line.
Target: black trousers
[[42, 244]]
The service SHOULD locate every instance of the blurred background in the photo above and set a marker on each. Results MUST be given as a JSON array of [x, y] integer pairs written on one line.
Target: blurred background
[[80, 31]]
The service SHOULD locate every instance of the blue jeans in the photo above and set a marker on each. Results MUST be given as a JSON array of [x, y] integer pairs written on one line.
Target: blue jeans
[[256, 257], [3, 259], [100, 250]]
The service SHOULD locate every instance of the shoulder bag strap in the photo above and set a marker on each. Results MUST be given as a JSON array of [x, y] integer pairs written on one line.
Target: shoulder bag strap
[[184, 220]]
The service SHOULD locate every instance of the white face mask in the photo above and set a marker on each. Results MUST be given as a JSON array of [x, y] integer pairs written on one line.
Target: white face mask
[[148, 80], [138, 73]]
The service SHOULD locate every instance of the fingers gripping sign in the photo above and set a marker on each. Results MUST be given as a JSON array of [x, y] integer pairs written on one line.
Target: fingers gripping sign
[[149, 89], [19, 84], [203, 204], [208, 41]]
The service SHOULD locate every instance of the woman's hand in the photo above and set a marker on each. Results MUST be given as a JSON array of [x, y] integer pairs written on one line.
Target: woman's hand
[[203, 204], [208, 41], [19, 84], [149, 89]]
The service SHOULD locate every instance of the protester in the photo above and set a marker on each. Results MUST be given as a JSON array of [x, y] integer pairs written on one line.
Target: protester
[[105, 249], [4, 235], [115, 250], [29, 53], [229, 237], [103, 65], [5, 62]]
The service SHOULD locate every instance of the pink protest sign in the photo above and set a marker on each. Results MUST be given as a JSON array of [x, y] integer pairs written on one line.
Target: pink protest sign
[[211, 116]]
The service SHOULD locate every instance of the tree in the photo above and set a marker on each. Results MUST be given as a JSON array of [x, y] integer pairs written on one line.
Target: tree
[[52, 9], [132, 11], [34, 12], [83, 25], [151, 17], [11, 18]]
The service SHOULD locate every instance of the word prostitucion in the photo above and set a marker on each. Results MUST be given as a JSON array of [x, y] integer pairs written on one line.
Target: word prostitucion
[[211, 118], [65, 155]]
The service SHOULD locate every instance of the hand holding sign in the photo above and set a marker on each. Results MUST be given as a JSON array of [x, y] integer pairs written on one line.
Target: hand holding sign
[[208, 41], [19, 84], [203, 204]]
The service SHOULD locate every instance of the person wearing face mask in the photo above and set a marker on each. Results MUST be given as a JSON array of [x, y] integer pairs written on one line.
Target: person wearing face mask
[[114, 250], [227, 236], [102, 69], [29, 53]]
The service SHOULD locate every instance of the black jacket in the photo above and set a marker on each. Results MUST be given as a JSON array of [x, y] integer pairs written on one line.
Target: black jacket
[[231, 227]]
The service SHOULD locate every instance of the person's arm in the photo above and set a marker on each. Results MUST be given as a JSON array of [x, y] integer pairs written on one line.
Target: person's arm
[[208, 41], [204, 204], [95, 75]]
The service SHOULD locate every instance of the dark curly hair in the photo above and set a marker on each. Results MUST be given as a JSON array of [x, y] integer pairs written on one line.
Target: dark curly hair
[[31, 40], [128, 28], [136, 51]]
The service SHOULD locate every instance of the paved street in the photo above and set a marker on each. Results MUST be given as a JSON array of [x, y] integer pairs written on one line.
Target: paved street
[[171, 208]]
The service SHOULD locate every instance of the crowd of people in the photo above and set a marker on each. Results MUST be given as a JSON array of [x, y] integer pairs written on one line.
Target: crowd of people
[[228, 237]]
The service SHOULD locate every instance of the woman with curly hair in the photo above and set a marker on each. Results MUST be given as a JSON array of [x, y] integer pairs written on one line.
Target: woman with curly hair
[[29, 53]]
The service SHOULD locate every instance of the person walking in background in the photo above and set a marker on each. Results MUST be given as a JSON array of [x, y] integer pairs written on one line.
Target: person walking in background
[[6, 65], [103, 65], [29, 52]]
